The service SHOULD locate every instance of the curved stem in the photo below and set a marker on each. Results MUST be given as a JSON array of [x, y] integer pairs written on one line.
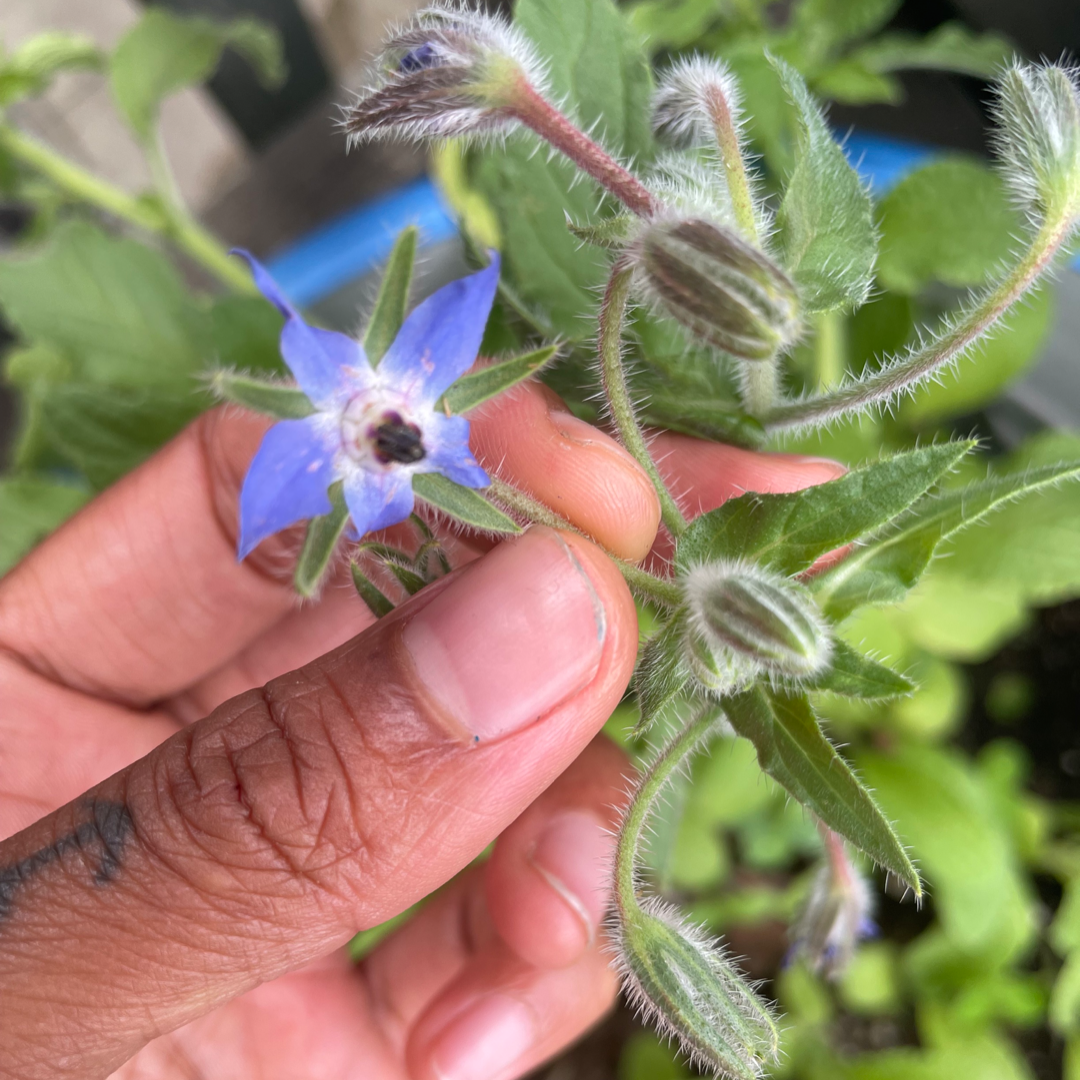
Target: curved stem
[[731, 156], [648, 791], [553, 127], [648, 585], [78, 183], [165, 217], [612, 315], [898, 375]]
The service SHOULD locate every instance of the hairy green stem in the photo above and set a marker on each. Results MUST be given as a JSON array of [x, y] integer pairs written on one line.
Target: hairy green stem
[[612, 315], [898, 375], [648, 791], [164, 218], [760, 386], [731, 156], [829, 350], [647, 585]]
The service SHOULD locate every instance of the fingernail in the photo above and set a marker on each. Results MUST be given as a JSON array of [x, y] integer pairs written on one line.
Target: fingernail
[[517, 634], [830, 465], [574, 856], [485, 1040], [570, 427]]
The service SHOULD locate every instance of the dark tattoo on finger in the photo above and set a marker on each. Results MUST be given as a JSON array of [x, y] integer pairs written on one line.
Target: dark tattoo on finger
[[102, 839]]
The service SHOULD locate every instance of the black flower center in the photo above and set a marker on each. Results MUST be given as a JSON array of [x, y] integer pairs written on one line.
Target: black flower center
[[398, 441], [418, 60]]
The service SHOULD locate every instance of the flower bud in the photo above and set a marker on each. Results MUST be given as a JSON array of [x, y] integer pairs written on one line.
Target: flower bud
[[1039, 135], [746, 617], [721, 671], [451, 71], [722, 289], [837, 914], [688, 987]]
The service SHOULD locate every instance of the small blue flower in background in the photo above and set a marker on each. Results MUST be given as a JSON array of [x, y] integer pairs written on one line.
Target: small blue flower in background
[[373, 427]]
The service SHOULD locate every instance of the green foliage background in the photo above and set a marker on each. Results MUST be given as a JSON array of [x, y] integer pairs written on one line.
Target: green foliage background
[[113, 345]]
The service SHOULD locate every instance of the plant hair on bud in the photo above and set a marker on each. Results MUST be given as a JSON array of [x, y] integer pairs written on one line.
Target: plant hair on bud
[[1038, 136], [452, 70], [724, 290], [767, 621], [686, 984], [698, 104]]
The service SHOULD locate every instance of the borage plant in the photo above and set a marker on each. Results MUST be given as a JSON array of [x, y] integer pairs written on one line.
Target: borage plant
[[755, 591]]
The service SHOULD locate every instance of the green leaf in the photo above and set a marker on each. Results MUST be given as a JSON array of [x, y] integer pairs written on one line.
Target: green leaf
[[793, 750], [30, 68], [246, 331], [824, 25], [31, 507], [370, 593], [672, 24], [610, 233], [851, 83], [886, 567], [322, 536], [825, 224], [118, 309], [462, 503], [950, 221], [851, 674], [993, 364], [788, 532], [275, 399], [951, 47], [105, 432], [164, 53], [409, 580], [661, 674], [944, 808], [393, 298], [599, 72], [479, 386]]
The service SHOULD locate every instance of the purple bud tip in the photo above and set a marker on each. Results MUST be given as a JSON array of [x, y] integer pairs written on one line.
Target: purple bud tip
[[418, 60]]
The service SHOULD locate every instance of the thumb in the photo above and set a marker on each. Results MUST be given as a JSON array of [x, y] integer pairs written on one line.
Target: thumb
[[268, 833]]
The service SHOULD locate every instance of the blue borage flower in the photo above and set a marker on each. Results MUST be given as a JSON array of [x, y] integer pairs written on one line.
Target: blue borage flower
[[373, 427]]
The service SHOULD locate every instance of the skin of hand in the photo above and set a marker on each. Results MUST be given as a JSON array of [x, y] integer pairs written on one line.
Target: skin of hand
[[183, 856]]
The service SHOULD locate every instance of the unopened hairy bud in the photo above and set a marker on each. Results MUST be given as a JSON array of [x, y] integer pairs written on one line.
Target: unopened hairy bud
[[722, 289], [1038, 114], [451, 71], [686, 984], [692, 96], [749, 617], [837, 915]]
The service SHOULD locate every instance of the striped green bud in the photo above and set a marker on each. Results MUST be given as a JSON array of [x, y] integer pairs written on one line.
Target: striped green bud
[[746, 618], [721, 288], [690, 989]]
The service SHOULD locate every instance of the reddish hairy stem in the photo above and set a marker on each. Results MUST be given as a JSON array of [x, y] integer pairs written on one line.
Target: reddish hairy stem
[[535, 112]]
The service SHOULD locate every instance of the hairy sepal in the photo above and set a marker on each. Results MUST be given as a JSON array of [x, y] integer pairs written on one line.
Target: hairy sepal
[[267, 396], [662, 674]]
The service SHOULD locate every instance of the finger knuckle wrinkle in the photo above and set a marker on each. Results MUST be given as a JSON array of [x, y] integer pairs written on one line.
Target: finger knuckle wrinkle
[[264, 795]]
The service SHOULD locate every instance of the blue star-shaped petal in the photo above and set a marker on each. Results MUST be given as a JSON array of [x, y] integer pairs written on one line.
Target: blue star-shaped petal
[[373, 428]]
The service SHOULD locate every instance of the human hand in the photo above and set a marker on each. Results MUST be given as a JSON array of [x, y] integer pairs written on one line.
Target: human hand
[[247, 847]]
